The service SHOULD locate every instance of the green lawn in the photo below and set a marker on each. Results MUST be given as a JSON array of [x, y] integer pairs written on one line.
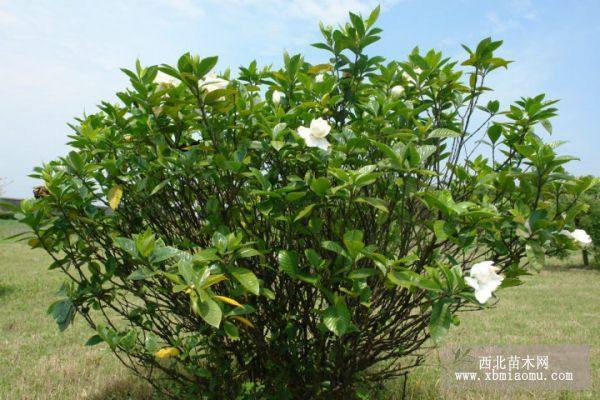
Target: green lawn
[[38, 361], [559, 305]]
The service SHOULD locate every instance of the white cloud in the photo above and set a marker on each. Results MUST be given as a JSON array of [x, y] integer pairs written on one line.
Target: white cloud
[[328, 11], [186, 7], [512, 16], [523, 8]]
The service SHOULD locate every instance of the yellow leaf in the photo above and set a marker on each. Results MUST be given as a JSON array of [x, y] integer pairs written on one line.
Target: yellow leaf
[[243, 320], [167, 352], [190, 289], [114, 196], [315, 69], [213, 280], [228, 300]]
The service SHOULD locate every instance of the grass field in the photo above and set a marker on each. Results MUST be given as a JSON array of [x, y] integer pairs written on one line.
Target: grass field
[[560, 306]]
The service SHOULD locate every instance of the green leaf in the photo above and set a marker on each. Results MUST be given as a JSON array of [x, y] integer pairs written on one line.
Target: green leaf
[[353, 242], [535, 255], [231, 330], [293, 196], [205, 256], [210, 312], [220, 242], [141, 274], [320, 186], [373, 201], [333, 246], [186, 270], [128, 245], [206, 65], [128, 340], [247, 252], [76, 161], [494, 132], [151, 342], [337, 318], [158, 187], [144, 243], [246, 278], [216, 95], [362, 273], [547, 125], [396, 158], [407, 278], [425, 151], [510, 282], [305, 211], [401, 278], [278, 130], [63, 312], [438, 229], [413, 156], [440, 320], [94, 340], [312, 279], [443, 133], [288, 262], [164, 253], [321, 46], [313, 258], [373, 17]]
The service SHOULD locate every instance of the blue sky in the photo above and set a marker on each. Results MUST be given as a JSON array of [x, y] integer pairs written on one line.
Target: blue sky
[[61, 58]]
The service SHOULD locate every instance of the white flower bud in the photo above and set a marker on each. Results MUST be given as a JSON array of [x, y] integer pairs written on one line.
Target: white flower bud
[[276, 97], [397, 91]]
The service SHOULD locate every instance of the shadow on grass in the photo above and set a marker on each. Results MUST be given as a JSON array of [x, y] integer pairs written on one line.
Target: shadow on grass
[[5, 290], [421, 383], [125, 389], [570, 266], [572, 261]]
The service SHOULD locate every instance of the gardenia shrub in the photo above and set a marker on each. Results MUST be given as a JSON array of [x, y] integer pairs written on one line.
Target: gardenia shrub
[[300, 232]]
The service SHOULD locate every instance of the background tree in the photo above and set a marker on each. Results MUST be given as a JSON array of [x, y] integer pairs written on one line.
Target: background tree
[[590, 222]]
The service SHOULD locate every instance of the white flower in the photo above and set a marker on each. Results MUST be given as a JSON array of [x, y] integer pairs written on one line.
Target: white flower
[[397, 91], [212, 82], [319, 128], [276, 97], [163, 79], [315, 135], [416, 70], [196, 135], [579, 235], [484, 280], [319, 78]]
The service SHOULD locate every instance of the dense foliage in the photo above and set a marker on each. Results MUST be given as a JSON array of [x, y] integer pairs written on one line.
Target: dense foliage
[[298, 232]]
